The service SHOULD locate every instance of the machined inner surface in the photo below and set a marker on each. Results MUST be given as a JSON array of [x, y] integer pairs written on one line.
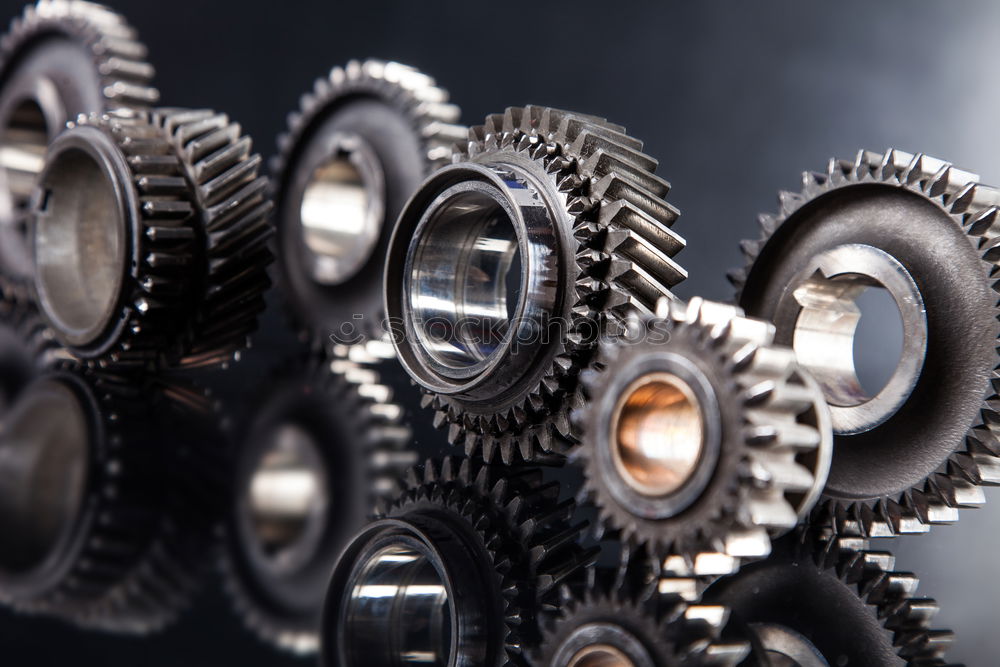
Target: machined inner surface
[[600, 655], [44, 455], [342, 211], [80, 244], [23, 143], [399, 611], [657, 434], [786, 648], [466, 281], [289, 498], [825, 316]]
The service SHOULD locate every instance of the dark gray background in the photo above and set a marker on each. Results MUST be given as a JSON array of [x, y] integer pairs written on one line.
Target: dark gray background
[[734, 99]]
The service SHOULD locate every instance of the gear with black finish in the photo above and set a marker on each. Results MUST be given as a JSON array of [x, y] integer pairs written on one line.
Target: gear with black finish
[[922, 446], [701, 435], [619, 617], [473, 552], [59, 59], [829, 600], [121, 547], [360, 144], [557, 211], [167, 264], [314, 454]]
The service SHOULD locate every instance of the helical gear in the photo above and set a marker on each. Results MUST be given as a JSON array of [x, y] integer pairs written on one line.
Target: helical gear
[[766, 462], [365, 449], [971, 211], [423, 108], [118, 61], [521, 526], [620, 224], [193, 291], [844, 598]]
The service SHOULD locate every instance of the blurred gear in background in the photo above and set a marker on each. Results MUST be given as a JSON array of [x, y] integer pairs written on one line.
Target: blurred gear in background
[[911, 452], [59, 59], [26, 350], [506, 266], [314, 453], [358, 147]]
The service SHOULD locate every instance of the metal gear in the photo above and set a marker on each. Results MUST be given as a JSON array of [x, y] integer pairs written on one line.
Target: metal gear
[[921, 448], [175, 269], [620, 617], [822, 600], [495, 542], [60, 58], [581, 199], [331, 427], [123, 548], [26, 350], [357, 148], [747, 432]]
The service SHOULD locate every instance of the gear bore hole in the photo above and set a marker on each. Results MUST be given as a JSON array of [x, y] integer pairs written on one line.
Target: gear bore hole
[[600, 655]]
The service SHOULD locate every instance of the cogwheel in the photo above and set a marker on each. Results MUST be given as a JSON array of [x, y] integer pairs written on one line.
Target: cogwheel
[[26, 350], [620, 617], [359, 146], [576, 195], [176, 274], [104, 555], [821, 599], [500, 536], [333, 426], [747, 431], [60, 58], [923, 445]]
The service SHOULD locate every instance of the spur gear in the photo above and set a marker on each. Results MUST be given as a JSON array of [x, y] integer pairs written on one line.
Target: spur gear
[[619, 618], [359, 146], [119, 547], [26, 350], [911, 453], [455, 569], [505, 268], [59, 59], [700, 434], [314, 455], [166, 266], [821, 600]]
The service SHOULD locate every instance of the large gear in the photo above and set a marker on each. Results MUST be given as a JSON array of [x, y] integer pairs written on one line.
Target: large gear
[[60, 58], [821, 599], [496, 542], [331, 422], [584, 204], [924, 444], [122, 548], [175, 272], [741, 431], [620, 617], [373, 130]]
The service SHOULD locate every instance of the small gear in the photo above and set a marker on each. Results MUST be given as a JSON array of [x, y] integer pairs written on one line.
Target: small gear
[[923, 445], [359, 146], [576, 195], [496, 543], [746, 430], [331, 429], [60, 58], [821, 599], [619, 617], [120, 549], [175, 274]]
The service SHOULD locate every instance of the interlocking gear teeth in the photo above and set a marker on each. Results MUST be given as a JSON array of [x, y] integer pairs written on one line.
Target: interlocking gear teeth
[[118, 59], [143, 530], [521, 526], [768, 591], [425, 109], [671, 630], [774, 443], [368, 451], [974, 209], [624, 265]]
